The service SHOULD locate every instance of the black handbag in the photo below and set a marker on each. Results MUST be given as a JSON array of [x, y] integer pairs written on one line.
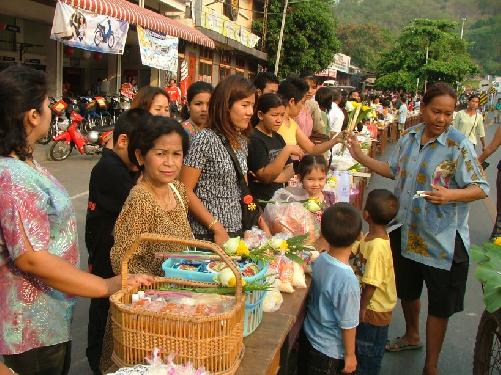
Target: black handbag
[[250, 210]]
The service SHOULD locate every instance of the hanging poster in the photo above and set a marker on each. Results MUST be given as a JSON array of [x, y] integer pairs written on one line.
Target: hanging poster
[[184, 79], [90, 31], [158, 50], [224, 26]]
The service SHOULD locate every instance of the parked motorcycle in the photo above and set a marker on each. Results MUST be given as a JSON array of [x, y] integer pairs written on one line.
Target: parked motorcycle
[[91, 143]]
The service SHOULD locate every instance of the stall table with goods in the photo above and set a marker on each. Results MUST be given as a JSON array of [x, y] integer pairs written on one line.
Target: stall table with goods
[[237, 309]]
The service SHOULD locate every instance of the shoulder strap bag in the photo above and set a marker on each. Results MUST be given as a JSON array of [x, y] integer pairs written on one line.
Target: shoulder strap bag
[[250, 210]]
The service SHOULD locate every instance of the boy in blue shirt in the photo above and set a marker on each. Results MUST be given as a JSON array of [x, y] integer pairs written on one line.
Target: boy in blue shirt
[[332, 311]]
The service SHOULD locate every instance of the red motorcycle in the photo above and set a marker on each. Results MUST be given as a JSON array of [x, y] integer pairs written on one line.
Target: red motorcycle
[[91, 143]]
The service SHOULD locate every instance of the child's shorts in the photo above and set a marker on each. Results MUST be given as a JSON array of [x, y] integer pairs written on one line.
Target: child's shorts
[[313, 362]]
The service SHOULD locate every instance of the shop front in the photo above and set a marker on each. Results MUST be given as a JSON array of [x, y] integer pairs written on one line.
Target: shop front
[[25, 37], [235, 51]]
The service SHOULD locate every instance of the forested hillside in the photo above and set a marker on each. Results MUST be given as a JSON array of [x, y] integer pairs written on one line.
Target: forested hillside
[[482, 25]]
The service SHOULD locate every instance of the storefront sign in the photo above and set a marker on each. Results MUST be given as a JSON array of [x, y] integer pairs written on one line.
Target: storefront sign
[[158, 50], [341, 63], [89, 31], [223, 25], [8, 59]]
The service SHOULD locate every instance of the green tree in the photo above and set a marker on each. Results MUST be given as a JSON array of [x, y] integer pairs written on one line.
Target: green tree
[[481, 28], [365, 43], [309, 41], [485, 46], [448, 58]]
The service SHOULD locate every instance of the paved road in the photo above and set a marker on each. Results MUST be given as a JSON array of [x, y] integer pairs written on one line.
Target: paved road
[[458, 348]]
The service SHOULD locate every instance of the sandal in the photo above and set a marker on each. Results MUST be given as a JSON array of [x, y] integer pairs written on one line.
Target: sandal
[[397, 345]]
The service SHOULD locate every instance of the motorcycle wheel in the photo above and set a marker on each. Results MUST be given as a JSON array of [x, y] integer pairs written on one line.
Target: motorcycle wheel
[[487, 353], [60, 150], [111, 41]]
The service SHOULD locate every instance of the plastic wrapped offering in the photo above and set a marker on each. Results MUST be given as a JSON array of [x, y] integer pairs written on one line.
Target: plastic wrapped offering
[[287, 214], [182, 302]]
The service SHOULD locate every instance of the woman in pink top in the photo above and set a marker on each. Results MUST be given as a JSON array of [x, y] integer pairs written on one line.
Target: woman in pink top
[[305, 117]]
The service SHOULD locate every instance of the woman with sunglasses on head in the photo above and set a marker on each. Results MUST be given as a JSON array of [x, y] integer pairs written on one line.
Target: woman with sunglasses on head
[[209, 173], [157, 204]]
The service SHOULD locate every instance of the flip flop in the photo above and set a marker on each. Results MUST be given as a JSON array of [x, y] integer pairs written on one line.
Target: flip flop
[[398, 345]]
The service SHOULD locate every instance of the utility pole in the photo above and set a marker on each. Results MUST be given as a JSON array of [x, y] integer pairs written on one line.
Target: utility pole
[[462, 27], [427, 53], [281, 37], [265, 25]]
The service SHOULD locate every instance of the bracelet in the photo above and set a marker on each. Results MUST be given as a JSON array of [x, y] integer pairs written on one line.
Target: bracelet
[[212, 223]]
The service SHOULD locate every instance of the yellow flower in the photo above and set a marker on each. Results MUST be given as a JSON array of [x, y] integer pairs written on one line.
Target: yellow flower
[[497, 241], [365, 108], [242, 249], [331, 182], [284, 246], [251, 206]]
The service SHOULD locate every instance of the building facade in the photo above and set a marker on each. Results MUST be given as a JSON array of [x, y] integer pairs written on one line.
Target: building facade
[[214, 41]]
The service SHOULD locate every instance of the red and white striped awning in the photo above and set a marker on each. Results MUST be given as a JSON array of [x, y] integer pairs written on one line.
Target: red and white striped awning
[[132, 13]]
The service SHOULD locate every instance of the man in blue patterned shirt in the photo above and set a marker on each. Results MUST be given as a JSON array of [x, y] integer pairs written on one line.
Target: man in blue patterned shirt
[[437, 174]]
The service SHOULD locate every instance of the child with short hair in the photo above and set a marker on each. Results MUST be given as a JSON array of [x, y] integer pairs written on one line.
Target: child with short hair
[[293, 92], [268, 156], [298, 210], [373, 265], [111, 180], [328, 337]]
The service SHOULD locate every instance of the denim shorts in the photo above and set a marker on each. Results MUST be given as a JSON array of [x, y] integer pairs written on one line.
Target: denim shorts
[[370, 345]]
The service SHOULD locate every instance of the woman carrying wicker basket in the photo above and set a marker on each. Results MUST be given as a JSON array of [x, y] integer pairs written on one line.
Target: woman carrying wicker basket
[[39, 258], [157, 204]]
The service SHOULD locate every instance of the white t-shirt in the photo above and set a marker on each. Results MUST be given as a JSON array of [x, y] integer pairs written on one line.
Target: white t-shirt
[[336, 118], [402, 113]]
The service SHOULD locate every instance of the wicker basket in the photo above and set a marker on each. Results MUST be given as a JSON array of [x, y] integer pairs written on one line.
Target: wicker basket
[[213, 342]]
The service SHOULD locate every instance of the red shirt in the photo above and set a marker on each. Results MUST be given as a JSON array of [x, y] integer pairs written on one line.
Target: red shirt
[[174, 93]]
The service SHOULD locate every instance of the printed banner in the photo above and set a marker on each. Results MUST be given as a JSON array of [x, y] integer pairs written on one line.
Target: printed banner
[[183, 81], [93, 32], [222, 25], [158, 50]]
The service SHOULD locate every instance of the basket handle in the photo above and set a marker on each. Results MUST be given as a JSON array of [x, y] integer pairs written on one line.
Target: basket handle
[[159, 238]]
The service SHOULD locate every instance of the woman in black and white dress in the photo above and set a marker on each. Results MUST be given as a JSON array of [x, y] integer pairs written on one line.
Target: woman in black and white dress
[[208, 172]]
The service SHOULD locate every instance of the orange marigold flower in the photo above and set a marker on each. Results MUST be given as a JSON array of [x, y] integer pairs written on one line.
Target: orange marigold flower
[[248, 199]]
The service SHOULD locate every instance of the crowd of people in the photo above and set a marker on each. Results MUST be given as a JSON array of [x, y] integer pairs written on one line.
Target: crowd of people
[[189, 180]]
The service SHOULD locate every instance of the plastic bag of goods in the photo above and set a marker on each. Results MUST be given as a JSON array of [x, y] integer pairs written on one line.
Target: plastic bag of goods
[[292, 218], [284, 269]]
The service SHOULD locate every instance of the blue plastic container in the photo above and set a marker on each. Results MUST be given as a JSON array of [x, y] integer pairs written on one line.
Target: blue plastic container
[[253, 300]]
